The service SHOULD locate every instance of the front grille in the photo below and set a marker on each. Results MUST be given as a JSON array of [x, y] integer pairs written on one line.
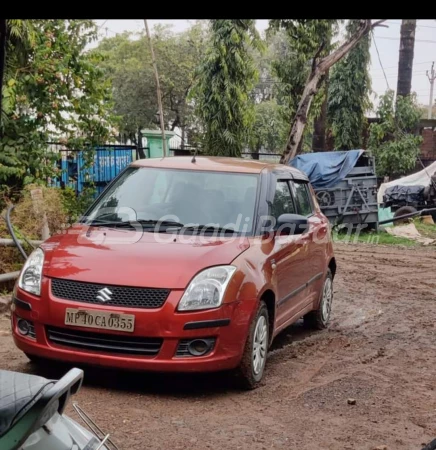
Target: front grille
[[128, 297], [107, 343]]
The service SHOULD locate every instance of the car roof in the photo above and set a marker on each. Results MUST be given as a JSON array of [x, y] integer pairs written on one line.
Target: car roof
[[219, 164]]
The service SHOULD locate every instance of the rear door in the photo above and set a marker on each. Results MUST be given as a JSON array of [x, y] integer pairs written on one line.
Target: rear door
[[289, 253]]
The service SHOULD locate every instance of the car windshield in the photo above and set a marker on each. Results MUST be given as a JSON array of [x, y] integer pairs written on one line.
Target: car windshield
[[188, 197]]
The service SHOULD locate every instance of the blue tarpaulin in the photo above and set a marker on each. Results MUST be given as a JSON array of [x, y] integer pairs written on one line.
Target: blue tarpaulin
[[326, 169]]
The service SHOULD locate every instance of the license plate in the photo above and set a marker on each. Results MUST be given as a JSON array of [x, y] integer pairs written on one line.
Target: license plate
[[100, 319]]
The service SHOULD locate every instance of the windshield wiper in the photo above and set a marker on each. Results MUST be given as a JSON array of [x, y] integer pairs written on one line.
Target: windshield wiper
[[102, 223], [166, 223], [209, 228], [146, 224], [163, 225]]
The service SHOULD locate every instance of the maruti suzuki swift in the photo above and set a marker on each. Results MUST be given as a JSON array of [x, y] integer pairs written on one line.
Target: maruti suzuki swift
[[181, 264]]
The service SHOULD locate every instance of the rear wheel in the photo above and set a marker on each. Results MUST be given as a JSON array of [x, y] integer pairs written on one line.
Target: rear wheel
[[252, 366], [320, 318]]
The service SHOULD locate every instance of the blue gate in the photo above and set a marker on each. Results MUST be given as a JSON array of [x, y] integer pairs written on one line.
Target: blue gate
[[109, 161]]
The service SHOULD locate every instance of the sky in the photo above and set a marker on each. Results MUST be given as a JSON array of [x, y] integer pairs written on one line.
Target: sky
[[387, 41]]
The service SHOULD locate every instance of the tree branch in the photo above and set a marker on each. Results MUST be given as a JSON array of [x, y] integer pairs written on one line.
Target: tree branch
[[378, 24], [314, 81]]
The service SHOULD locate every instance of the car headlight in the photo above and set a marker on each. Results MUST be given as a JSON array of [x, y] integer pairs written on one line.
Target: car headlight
[[207, 289], [31, 274]]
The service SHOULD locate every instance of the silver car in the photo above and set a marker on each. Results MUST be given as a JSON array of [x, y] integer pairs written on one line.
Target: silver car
[[31, 414]]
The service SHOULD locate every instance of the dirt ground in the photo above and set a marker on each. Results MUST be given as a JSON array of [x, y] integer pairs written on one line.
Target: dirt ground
[[380, 351]]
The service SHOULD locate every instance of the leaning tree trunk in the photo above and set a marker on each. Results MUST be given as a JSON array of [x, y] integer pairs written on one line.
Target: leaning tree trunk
[[405, 63], [319, 68], [320, 125]]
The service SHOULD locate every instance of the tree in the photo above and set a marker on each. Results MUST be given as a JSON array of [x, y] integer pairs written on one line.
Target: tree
[[270, 118], [320, 122], [315, 78], [405, 62], [269, 130], [3, 28], [392, 139], [268, 84], [349, 90], [225, 80], [300, 41], [127, 66], [293, 65], [17, 35], [52, 91]]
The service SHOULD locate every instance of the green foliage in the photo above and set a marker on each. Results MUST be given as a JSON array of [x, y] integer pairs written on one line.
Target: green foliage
[[380, 238], [269, 131], [307, 34], [304, 40], [392, 140], [348, 96], [127, 64], [266, 87], [225, 80], [53, 90], [75, 205]]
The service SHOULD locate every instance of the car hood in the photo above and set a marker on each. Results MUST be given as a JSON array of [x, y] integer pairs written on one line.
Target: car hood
[[130, 258]]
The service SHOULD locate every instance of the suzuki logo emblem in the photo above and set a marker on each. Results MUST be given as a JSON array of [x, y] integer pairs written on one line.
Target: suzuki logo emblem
[[104, 295]]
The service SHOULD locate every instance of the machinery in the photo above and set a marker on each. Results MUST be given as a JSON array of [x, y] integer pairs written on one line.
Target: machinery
[[403, 199], [345, 184]]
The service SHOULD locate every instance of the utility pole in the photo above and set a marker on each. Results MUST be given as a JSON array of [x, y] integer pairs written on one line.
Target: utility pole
[[431, 77], [159, 96]]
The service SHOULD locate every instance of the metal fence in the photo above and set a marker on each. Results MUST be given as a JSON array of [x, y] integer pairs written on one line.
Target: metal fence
[[74, 170]]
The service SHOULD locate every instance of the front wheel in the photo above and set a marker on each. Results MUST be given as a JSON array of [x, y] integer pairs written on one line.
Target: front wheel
[[320, 318], [253, 361]]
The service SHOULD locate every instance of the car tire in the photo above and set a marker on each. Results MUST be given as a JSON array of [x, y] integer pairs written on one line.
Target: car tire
[[319, 319], [35, 359], [252, 366]]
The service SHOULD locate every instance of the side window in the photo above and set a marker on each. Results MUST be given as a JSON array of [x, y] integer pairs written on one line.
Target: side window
[[302, 197], [282, 203]]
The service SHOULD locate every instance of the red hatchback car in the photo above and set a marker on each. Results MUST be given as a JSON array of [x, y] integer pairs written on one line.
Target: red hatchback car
[[182, 265]]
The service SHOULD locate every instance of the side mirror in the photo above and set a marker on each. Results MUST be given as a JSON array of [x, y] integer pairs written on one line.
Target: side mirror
[[291, 224]]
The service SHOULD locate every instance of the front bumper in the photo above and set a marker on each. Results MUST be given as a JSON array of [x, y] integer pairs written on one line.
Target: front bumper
[[228, 325]]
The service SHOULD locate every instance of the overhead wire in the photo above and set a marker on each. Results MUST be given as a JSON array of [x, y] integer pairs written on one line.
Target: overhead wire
[[379, 58]]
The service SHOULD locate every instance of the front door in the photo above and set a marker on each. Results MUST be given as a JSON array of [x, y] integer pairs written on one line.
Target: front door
[[315, 237], [288, 256]]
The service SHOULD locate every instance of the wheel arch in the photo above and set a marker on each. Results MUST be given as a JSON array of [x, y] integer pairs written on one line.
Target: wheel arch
[[269, 297], [332, 266]]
